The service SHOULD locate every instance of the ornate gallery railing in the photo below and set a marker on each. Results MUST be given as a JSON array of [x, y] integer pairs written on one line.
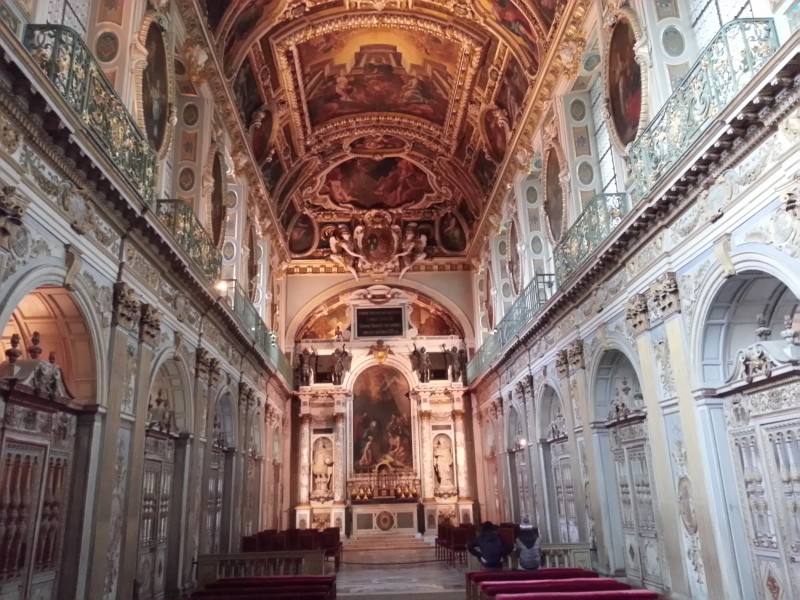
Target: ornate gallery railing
[[211, 567], [536, 293], [262, 337], [729, 62], [79, 80], [186, 229], [600, 217]]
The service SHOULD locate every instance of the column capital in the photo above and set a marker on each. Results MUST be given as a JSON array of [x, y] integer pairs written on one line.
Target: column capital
[[562, 364], [425, 414], [149, 324], [339, 417], [202, 364], [305, 418], [458, 413], [126, 305], [637, 313], [214, 371], [575, 355], [664, 295]]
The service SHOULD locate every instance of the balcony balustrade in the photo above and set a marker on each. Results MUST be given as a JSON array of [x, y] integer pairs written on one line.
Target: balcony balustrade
[[600, 217], [182, 223], [64, 57], [730, 61], [247, 315], [528, 303]]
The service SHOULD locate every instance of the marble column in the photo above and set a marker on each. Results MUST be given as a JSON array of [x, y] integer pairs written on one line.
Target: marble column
[[267, 493], [580, 396], [664, 500], [461, 456], [427, 457], [340, 465], [112, 479], [149, 328], [305, 459], [576, 475], [721, 575]]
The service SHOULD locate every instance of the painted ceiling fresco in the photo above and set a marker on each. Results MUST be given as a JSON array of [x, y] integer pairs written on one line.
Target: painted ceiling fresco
[[409, 111]]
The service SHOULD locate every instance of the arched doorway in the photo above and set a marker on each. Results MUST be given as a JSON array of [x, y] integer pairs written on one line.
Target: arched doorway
[[521, 493], [162, 488], [748, 336], [49, 374], [562, 519], [624, 451], [218, 497]]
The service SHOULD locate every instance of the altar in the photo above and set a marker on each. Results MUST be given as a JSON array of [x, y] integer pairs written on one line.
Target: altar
[[382, 519]]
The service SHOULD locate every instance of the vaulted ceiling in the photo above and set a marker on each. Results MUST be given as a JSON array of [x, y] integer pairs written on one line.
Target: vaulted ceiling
[[406, 107]]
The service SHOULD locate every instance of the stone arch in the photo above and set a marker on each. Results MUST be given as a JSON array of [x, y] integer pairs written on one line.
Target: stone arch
[[757, 259], [614, 380], [550, 406], [617, 345], [170, 374], [225, 411], [86, 307], [731, 321], [457, 312]]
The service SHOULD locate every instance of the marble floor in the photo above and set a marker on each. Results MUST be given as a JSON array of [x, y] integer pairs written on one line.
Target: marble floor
[[403, 569]]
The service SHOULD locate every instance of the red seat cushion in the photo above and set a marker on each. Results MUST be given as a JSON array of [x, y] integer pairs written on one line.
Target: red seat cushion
[[493, 588], [568, 573], [605, 595]]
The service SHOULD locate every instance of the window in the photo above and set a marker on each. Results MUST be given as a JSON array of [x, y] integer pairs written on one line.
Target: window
[[708, 16], [605, 157]]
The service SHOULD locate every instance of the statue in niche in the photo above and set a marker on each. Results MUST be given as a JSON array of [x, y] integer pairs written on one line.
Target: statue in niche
[[443, 463], [421, 363], [456, 360], [341, 365], [322, 470], [306, 363]]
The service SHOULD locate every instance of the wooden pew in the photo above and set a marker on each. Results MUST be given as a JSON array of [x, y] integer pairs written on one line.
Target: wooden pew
[[605, 595], [476, 577]]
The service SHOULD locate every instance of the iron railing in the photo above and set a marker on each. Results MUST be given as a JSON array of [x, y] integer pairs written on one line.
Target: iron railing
[[182, 223], [731, 60], [247, 315], [600, 217], [533, 297], [69, 65]]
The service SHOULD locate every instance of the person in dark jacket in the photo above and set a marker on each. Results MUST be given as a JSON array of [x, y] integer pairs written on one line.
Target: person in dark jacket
[[489, 548], [528, 546]]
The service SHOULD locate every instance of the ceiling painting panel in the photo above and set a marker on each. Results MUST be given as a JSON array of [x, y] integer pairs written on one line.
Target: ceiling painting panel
[[409, 109]]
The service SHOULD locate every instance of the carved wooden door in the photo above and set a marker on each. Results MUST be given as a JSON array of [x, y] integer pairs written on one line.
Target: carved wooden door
[[214, 505], [767, 461], [564, 494], [154, 518], [635, 488], [34, 481], [524, 493]]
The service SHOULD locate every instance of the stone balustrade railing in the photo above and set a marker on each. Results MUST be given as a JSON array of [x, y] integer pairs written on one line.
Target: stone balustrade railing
[[528, 303], [251, 321], [567, 555], [77, 77], [211, 567], [731, 60], [184, 226], [602, 214]]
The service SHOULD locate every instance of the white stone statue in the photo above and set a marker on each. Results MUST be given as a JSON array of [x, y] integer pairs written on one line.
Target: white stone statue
[[322, 470], [443, 463]]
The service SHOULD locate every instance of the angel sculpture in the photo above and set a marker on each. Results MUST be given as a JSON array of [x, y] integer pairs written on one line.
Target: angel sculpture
[[421, 363], [342, 252], [413, 248]]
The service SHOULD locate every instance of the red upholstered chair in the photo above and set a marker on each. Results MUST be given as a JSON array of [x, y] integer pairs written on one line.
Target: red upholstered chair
[[476, 577], [460, 537], [307, 540], [442, 540], [265, 539], [278, 542], [332, 545], [249, 543], [606, 595], [491, 589]]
